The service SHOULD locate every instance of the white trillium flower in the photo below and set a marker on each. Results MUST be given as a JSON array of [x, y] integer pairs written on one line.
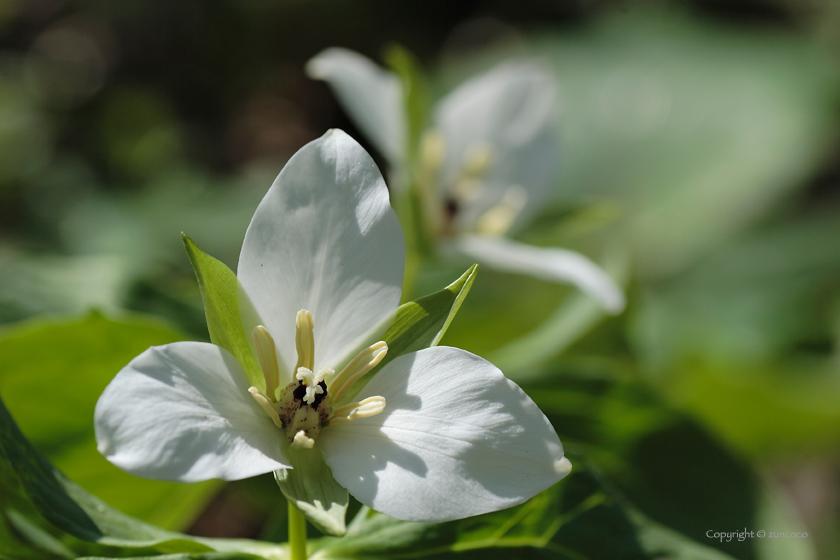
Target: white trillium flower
[[487, 162], [436, 435]]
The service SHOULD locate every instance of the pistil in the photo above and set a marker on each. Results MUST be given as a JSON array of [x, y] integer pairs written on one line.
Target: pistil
[[314, 382]]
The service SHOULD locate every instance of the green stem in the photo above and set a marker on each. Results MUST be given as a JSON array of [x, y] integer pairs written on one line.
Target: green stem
[[412, 269], [417, 246], [297, 533]]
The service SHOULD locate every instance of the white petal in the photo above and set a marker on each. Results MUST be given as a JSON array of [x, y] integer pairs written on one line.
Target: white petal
[[456, 439], [325, 239], [372, 97], [545, 263], [510, 109], [183, 412]]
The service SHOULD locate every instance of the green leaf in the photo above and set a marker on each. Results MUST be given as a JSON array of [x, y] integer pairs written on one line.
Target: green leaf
[[660, 459], [420, 324], [51, 375], [37, 536], [580, 518], [220, 293], [14, 544], [69, 508], [310, 486]]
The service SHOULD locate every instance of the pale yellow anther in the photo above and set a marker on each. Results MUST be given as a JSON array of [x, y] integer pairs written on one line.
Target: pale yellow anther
[[432, 151], [302, 441], [470, 181], [467, 188], [499, 219], [477, 159], [268, 360], [305, 340], [432, 156], [371, 406], [365, 361], [265, 404]]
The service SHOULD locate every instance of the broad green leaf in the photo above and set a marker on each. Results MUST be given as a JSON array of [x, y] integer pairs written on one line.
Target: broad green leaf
[[15, 545], [310, 486], [52, 373], [421, 323], [220, 293], [733, 341], [37, 537], [69, 508], [660, 459], [580, 518]]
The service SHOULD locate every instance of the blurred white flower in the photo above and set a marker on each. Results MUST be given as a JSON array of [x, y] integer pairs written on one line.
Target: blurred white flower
[[436, 435], [487, 162]]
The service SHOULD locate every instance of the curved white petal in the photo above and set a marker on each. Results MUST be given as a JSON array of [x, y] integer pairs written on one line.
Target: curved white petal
[[545, 263], [511, 110], [325, 239], [372, 97], [183, 412], [456, 439]]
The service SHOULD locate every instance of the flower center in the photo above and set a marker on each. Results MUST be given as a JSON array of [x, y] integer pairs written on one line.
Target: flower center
[[467, 186], [303, 406]]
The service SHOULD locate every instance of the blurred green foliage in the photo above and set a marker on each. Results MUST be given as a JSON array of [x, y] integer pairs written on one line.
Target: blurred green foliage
[[52, 375], [699, 155]]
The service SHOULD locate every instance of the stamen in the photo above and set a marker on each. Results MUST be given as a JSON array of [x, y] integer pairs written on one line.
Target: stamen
[[301, 441], [268, 360], [498, 219], [365, 361], [432, 156], [305, 340], [371, 406], [467, 188], [265, 404], [477, 159], [432, 151]]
